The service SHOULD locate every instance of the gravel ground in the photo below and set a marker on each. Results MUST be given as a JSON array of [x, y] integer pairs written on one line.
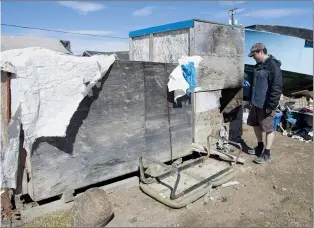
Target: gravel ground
[[278, 194]]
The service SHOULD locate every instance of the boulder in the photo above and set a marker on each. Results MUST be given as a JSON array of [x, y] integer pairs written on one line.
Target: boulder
[[91, 209]]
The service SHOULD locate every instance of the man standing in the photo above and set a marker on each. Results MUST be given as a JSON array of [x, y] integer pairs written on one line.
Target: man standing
[[265, 95]]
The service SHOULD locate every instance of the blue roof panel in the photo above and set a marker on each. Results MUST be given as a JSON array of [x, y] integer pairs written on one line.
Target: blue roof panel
[[163, 28]]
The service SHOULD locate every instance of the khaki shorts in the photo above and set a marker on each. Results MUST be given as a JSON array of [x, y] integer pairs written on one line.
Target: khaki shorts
[[259, 117]]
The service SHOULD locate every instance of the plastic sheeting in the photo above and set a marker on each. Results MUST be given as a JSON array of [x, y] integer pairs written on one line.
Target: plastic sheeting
[[177, 81], [48, 87]]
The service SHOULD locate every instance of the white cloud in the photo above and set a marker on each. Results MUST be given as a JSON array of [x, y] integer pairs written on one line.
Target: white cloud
[[146, 11], [220, 14], [274, 13], [231, 3], [92, 32], [240, 10], [172, 8], [82, 7]]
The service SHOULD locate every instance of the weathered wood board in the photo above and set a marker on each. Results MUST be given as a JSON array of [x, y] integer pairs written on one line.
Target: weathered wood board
[[5, 107], [219, 72], [218, 39], [139, 49], [125, 119], [221, 47], [156, 112], [168, 46]]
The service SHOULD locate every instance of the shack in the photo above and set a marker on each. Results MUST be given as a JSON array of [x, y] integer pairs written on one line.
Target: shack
[[132, 113], [220, 74]]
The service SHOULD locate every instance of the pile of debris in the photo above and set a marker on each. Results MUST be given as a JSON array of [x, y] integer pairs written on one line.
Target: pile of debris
[[297, 116], [294, 116]]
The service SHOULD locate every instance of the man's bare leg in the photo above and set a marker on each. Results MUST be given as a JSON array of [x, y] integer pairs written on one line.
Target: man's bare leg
[[260, 145], [269, 140], [265, 156], [259, 134]]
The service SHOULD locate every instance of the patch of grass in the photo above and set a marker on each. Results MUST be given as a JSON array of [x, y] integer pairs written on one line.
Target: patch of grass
[[57, 219]]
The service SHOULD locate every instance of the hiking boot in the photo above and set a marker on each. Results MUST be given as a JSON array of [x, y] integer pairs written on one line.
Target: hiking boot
[[263, 158], [255, 151]]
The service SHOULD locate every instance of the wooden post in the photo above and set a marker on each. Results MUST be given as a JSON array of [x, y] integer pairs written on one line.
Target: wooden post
[[130, 50], [151, 47], [6, 206], [191, 42]]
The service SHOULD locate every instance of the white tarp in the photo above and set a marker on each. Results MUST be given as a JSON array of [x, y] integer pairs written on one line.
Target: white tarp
[[177, 82], [50, 86]]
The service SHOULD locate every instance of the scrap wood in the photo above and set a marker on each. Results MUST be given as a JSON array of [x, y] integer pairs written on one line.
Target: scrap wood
[[199, 148], [303, 93], [227, 157], [230, 184], [7, 211], [6, 206]]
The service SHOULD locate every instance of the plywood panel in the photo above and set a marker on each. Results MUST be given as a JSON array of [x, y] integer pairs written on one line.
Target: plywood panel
[[229, 111], [220, 72], [156, 112], [139, 48], [128, 118], [104, 140], [222, 40], [5, 107], [170, 46], [208, 119]]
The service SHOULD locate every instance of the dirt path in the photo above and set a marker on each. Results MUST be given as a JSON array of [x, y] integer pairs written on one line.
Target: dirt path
[[278, 194]]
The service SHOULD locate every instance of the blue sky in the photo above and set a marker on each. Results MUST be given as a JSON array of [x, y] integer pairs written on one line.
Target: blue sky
[[117, 18]]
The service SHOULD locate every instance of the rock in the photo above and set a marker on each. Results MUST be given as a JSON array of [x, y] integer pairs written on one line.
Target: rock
[[207, 198], [189, 206], [91, 209], [177, 162], [275, 187], [236, 187], [133, 220], [284, 189], [311, 209], [224, 199]]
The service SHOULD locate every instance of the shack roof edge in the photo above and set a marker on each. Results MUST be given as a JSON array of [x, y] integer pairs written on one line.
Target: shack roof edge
[[163, 28], [170, 27]]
